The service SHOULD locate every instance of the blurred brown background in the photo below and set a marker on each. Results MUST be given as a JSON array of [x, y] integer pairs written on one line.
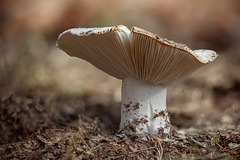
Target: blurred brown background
[[30, 60]]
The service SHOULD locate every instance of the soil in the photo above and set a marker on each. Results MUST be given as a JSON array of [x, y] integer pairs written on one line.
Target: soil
[[43, 124]]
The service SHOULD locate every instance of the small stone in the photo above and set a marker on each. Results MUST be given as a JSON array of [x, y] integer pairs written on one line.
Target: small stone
[[232, 145]]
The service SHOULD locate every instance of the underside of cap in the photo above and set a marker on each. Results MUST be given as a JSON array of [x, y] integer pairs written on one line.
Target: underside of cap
[[162, 61], [106, 47], [137, 53], [202, 55]]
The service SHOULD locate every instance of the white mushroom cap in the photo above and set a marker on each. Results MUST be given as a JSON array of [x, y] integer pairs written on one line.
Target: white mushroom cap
[[137, 53]]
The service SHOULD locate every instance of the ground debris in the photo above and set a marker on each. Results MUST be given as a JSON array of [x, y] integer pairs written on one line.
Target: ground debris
[[62, 135], [83, 143]]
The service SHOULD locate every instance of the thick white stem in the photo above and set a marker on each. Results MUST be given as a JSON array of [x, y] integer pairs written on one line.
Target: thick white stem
[[143, 109]]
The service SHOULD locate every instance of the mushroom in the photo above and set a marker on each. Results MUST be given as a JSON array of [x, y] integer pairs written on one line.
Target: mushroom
[[145, 62]]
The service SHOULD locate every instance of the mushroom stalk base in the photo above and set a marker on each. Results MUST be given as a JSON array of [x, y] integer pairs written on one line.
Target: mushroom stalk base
[[143, 110]]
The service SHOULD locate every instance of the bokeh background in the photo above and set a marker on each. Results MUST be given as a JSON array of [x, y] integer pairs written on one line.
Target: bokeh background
[[30, 60]]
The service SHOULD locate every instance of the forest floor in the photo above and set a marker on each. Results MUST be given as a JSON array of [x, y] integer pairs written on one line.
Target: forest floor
[[41, 123]]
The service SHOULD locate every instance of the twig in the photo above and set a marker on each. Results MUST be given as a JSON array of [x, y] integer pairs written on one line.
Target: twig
[[125, 154], [219, 145], [43, 140], [198, 143], [171, 130], [84, 142], [98, 146], [161, 149]]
